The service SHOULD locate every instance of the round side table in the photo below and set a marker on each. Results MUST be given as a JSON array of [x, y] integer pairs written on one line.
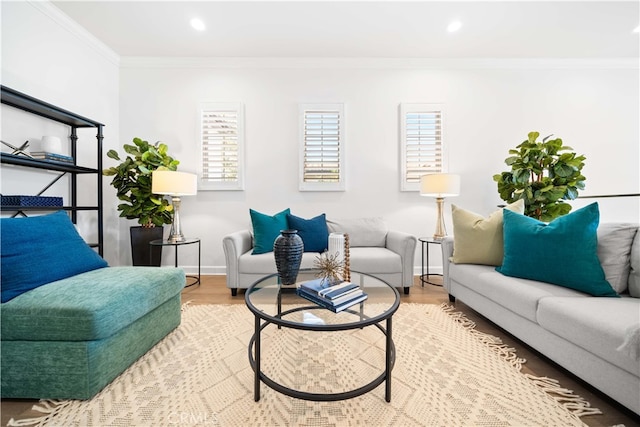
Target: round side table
[[424, 278], [161, 242]]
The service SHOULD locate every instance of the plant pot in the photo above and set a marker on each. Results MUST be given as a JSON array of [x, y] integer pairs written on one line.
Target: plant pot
[[142, 253], [287, 250]]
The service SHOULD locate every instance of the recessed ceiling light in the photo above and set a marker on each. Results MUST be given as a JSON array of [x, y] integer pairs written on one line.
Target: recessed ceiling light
[[637, 29], [198, 24], [454, 26]]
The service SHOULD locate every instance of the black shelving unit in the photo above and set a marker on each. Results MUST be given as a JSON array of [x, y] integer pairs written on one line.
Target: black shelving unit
[[43, 109]]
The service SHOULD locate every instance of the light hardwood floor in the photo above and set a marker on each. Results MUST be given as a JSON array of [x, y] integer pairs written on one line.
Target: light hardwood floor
[[214, 291]]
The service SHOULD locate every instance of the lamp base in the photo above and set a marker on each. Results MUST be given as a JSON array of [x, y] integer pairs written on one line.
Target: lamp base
[[175, 234], [441, 231]]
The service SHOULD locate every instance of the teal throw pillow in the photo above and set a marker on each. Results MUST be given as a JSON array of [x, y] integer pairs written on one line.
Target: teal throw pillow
[[314, 232], [266, 229], [38, 250], [562, 252]]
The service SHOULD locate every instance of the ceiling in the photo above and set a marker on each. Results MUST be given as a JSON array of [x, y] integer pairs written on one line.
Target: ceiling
[[382, 29]]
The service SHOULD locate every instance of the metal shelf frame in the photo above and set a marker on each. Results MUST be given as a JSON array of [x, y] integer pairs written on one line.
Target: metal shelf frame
[[43, 109]]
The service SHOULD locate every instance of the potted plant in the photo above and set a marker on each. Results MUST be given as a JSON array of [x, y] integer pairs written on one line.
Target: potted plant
[[543, 174], [132, 181]]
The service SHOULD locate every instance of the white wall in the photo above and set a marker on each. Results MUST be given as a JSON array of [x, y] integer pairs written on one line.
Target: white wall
[[491, 105], [490, 108], [49, 57]]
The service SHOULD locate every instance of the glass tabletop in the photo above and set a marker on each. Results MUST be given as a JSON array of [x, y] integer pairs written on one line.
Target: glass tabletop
[[280, 304]]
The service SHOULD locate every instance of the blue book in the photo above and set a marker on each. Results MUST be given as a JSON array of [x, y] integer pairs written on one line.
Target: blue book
[[338, 290], [316, 285], [361, 296]]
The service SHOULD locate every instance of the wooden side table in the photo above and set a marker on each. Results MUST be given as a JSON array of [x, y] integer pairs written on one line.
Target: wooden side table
[[424, 278], [160, 242]]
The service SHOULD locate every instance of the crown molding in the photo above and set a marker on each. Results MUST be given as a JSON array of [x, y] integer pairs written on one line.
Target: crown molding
[[60, 18], [380, 63]]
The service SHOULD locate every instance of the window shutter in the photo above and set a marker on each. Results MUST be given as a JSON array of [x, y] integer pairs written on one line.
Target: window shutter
[[422, 142], [322, 147], [222, 142]]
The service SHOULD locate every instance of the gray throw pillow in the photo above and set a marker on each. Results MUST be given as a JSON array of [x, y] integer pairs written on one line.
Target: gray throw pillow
[[363, 232], [634, 274], [614, 252]]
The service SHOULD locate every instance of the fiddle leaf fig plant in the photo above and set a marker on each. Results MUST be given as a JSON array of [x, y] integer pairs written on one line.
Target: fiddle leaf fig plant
[[132, 181], [543, 174]]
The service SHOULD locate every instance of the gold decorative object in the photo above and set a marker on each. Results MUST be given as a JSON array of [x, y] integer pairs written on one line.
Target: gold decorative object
[[346, 268], [329, 265]]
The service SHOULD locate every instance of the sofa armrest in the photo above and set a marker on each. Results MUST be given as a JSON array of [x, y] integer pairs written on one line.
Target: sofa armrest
[[234, 245], [403, 244], [447, 252]]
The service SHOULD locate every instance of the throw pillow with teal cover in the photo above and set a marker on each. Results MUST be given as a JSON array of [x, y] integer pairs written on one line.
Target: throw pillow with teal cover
[[266, 228], [38, 250], [563, 252], [314, 232]]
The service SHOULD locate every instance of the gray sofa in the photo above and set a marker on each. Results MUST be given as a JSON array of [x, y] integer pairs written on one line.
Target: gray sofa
[[595, 338], [374, 250]]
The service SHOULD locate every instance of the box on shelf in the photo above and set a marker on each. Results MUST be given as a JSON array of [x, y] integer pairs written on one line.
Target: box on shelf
[[31, 201]]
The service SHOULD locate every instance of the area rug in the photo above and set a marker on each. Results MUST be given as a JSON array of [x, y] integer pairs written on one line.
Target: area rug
[[446, 374]]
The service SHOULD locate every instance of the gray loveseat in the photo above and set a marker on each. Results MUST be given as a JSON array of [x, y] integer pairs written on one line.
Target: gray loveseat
[[595, 338], [374, 250]]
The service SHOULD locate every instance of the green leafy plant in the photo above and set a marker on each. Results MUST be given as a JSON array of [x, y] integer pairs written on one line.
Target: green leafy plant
[[543, 174], [132, 180]]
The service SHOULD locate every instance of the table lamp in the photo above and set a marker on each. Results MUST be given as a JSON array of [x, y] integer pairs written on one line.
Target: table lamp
[[440, 185], [174, 184]]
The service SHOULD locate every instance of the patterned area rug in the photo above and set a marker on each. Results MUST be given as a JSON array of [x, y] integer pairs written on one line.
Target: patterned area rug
[[446, 374]]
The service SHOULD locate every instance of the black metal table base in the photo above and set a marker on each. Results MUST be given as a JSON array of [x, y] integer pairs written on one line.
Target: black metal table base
[[259, 376]]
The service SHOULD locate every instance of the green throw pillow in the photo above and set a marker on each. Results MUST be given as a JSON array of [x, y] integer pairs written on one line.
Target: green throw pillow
[[476, 239], [266, 229], [314, 232], [563, 252]]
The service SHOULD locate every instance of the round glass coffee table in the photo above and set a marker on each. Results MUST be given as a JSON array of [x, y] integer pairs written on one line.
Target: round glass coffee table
[[279, 306]]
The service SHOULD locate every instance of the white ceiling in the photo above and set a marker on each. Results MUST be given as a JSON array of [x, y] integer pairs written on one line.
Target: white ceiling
[[383, 29]]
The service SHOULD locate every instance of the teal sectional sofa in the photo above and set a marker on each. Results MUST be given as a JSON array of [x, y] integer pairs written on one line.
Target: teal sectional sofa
[[70, 338], [70, 324]]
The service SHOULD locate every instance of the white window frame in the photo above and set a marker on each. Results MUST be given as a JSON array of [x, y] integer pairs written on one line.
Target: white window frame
[[234, 108], [410, 172], [305, 182]]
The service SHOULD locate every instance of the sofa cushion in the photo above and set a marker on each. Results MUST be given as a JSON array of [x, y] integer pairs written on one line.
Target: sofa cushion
[[89, 306], [314, 232], [266, 228], [478, 240], [599, 325], [374, 260], [266, 264], [363, 232], [614, 252], [634, 272], [521, 296], [562, 252], [39, 250]]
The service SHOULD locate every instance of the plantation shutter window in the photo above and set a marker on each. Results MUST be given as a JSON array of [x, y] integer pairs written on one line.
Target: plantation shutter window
[[322, 147], [222, 146], [422, 143]]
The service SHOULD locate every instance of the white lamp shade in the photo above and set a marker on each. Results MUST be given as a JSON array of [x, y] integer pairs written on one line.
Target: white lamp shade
[[440, 185], [174, 183]]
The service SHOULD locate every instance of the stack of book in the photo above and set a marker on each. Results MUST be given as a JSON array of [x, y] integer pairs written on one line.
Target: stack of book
[[45, 155], [334, 297]]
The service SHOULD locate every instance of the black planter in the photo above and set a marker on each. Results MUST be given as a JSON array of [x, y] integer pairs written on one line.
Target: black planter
[[287, 250], [142, 253]]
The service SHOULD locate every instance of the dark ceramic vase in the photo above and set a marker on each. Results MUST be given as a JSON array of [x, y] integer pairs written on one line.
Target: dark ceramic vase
[[287, 250]]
